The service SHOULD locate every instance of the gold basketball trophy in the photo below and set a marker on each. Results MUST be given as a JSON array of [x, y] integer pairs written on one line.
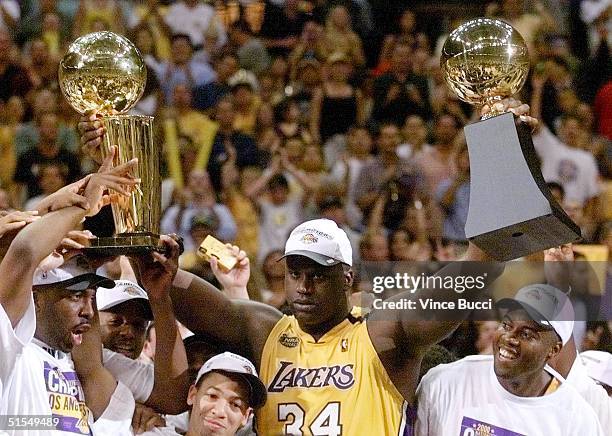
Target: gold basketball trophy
[[511, 213], [104, 71]]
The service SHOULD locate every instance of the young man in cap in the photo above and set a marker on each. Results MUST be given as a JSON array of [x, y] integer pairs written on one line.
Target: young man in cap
[[471, 396], [39, 329], [225, 393]]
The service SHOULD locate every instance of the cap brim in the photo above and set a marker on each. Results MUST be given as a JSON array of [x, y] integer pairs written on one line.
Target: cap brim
[[534, 314], [318, 258], [143, 302], [81, 283]]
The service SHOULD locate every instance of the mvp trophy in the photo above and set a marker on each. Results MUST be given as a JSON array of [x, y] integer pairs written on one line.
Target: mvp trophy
[[104, 71], [511, 213]]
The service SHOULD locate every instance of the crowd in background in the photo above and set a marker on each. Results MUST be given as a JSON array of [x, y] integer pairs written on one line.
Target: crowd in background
[[334, 109]]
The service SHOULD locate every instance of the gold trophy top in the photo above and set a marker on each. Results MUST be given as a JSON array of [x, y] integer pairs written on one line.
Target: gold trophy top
[[484, 60], [102, 71]]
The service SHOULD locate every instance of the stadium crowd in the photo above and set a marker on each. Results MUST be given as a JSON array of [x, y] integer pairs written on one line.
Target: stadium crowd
[[271, 114]]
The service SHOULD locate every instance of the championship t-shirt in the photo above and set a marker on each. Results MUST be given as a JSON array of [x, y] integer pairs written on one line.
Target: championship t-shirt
[[464, 398], [39, 381]]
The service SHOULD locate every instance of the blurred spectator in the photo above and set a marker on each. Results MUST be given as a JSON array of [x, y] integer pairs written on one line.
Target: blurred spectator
[[149, 15], [203, 224], [278, 212], [437, 162], [97, 15], [226, 139], [414, 134], [46, 150], [5, 201], [193, 124], [332, 208], [199, 196], [10, 13], [251, 51], [337, 105], [574, 169], [347, 169], [388, 175], [148, 350], [14, 111], [287, 117], [485, 333], [266, 135], [14, 79], [399, 92], [310, 47], [406, 35], [246, 102], [273, 268], [41, 65], [603, 114], [307, 80], [45, 102], [340, 38], [183, 68], [44, 20], [527, 24], [196, 19], [453, 195], [598, 337], [207, 96], [51, 177], [282, 26]]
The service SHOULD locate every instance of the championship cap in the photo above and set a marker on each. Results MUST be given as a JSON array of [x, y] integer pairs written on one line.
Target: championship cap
[[546, 305], [124, 290], [74, 275], [322, 241], [232, 363], [598, 365]]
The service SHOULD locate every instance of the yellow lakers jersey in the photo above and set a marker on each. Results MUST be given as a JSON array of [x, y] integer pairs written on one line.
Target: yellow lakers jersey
[[336, 386]]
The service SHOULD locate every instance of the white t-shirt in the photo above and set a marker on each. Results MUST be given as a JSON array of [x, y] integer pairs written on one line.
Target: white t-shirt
[[38, 380], [275, 224], [459, 398], [195, 22], [594, 394], [138, 376], [574, 169]]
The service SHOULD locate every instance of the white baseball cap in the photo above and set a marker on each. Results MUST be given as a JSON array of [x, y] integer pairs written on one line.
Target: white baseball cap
[[546, 305], [598, 365], [124, 290], [322, 241], [74, 275], [235, 364]]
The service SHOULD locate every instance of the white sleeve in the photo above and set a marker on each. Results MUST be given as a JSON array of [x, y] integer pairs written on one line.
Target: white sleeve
[[12, 340], [117, 417], [592, 189], [424, 422], [546, 143], [12, 8], [139, 377]]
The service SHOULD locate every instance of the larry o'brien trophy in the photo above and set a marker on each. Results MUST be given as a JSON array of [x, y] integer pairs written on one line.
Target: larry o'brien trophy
[[511, 212], [104, 71]]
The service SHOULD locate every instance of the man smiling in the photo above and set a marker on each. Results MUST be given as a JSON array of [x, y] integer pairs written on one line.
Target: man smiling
[[517, 395]]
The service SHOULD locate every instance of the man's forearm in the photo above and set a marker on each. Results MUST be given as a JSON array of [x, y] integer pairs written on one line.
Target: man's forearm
[[171, 378]]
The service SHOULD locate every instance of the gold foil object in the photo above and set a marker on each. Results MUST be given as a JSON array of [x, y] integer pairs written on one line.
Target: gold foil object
[[485, 61], [104, 71], [212, 247]]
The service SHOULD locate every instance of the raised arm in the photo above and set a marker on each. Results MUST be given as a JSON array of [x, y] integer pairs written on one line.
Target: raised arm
[[171, 383], [232, 324]]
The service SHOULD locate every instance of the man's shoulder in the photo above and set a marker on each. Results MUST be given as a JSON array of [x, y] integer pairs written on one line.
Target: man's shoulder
[[460, 370]]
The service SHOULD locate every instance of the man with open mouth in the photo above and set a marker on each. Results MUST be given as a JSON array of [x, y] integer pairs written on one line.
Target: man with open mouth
[[514, 392]]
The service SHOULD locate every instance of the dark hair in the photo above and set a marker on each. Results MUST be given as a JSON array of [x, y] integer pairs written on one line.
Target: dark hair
[[184, 36], [242, 26], [278, 181]]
